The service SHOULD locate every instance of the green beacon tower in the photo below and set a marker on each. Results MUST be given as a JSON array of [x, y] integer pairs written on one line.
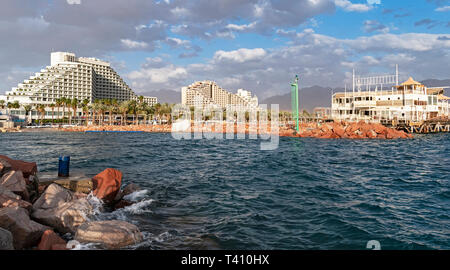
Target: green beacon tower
[[294, 98]]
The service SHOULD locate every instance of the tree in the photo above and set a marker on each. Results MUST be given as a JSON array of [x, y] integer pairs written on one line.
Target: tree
[[41, 110], [52, 106], [114, 109], [132, 108], [95, 110], [58, 105], [2, 104], [123, 109], [74, 105], [27, 109], [85, 106]]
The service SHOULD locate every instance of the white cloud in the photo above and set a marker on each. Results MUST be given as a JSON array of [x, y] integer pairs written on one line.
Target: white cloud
[[74, 2], [443, 9], [241, 55], [349, 6], [132, 44], [240, 28]]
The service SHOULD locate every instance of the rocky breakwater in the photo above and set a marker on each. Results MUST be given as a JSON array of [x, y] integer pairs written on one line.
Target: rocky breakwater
[[345, 130], [45, 215], [132, 128]]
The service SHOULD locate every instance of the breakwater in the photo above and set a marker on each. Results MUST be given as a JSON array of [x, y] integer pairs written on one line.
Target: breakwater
[[335, 130]]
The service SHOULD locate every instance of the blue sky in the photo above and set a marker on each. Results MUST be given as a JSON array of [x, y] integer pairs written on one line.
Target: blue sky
[[256, 44]]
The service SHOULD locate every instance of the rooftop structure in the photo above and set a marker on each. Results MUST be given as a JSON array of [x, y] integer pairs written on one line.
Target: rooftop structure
[[384, 100]]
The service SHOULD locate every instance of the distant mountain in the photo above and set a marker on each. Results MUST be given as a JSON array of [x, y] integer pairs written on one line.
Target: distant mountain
[[164, 95], [309, 98], [436, 83]]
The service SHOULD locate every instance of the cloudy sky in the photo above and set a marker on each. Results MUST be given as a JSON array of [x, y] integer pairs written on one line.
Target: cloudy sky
[[254, 44]]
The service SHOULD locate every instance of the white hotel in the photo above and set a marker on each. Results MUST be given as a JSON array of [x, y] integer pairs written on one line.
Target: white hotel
[[72, 77], [383, 99], [203, 93]]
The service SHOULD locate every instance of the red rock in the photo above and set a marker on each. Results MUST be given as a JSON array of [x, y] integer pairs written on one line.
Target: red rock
[[379, 128], [49, 240], [339, 131], [107, 184], [27, 168], [371, 134]]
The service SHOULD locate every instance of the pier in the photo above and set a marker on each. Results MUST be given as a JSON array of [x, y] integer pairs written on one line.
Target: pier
[[426, 127]]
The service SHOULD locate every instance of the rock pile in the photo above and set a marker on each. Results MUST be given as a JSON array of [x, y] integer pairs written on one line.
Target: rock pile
[[344, 130], [33, 215]]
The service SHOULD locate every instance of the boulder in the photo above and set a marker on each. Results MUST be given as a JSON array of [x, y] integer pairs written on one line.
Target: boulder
[[130, 188], [52, 197], [26, 233], [66, 217], [27, 168], [51, 241], [9, 199], [4, 167], [15, 182], [107, 184], [6, 240], [112, 234], [339, 131]]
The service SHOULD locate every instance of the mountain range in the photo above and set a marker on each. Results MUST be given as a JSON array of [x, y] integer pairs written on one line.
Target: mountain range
[[309, 97]]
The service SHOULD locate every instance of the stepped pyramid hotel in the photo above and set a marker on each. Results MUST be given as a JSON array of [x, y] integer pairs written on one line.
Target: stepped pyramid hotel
[[205, 93], [73, 77], [384, 99]]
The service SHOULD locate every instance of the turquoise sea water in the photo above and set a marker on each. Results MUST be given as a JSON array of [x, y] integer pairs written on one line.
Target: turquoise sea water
[[228, 194]]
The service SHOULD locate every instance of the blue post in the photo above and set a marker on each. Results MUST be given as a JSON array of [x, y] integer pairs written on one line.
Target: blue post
[[63, 168]]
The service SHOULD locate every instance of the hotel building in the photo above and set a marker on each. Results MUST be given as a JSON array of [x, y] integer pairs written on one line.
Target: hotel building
[[409, 101], [71, 77], [208, 92]]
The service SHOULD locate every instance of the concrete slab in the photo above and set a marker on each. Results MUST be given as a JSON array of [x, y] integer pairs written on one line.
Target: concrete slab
[[76, 182]]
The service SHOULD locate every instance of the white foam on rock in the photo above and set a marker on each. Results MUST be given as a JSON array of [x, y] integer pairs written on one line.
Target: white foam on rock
[[136, 196]]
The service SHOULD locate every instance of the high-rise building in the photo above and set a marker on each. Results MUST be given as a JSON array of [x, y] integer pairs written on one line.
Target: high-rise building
[[207, 92], [71, 77]]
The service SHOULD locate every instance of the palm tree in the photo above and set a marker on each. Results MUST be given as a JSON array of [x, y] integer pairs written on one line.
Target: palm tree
[[64, 102], [102, 109], [107, 104], [158, 111], [95, 110], [27, 109], [114, 109], [85, 107], [74, 105], [41, 110], [58, 105], [2, 104], [123, 110], [52, 106], [132, 108], [142, 108]]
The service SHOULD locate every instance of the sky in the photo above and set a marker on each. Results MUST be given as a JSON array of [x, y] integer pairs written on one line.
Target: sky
[[258, 45]]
